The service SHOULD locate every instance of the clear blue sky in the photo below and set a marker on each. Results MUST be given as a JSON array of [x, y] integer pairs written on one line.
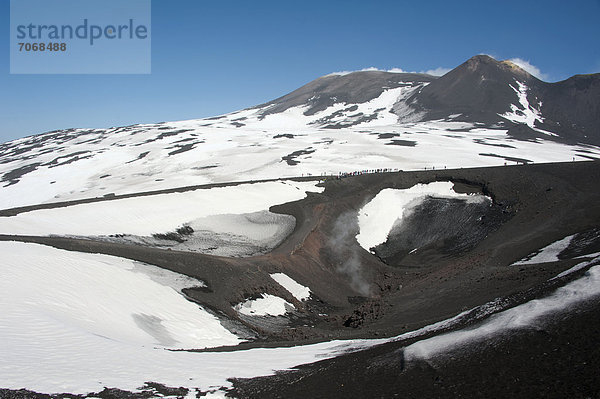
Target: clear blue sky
[[210, 58]]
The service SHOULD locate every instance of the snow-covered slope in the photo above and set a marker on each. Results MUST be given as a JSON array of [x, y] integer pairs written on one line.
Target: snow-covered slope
[[356, 122], [73, 299], [208, 220], [52, 342]]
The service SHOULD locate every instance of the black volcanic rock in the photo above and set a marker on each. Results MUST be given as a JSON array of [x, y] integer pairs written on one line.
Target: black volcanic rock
[[572, 108]]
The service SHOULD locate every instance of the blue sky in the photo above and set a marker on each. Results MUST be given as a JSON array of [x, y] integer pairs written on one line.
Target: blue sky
[[210, 58]]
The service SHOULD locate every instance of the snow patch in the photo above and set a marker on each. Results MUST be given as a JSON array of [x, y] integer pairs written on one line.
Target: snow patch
[[547, 254], [592, 255], [300, 292], [266, 305], [578, 267], [529, 114]]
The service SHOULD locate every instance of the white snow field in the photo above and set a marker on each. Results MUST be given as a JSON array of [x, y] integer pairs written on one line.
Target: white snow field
[[266, 305], [68, 325], [249, 145], [162, 213], [299, 291], [52, 290], [378, 216]]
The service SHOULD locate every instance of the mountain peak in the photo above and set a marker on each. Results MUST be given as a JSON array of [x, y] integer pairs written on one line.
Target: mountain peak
[[485, 65], [480, 89], [481, 59], [352, 88]]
